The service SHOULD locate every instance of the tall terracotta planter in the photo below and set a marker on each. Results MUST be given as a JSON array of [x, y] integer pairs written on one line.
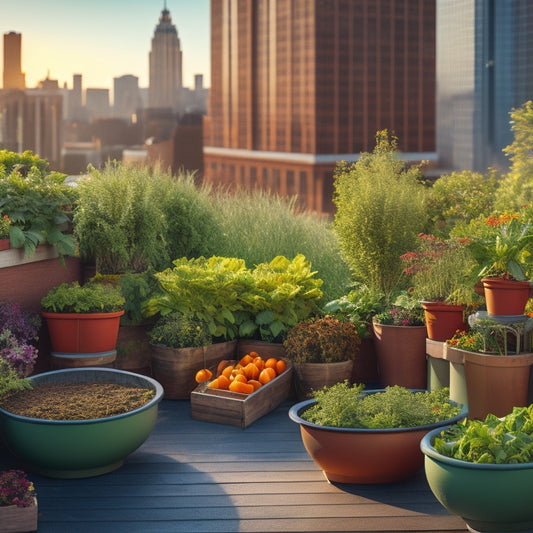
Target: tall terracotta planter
[[401, 355], [496, 383], [175, 368], [506, 297], [443, 320]]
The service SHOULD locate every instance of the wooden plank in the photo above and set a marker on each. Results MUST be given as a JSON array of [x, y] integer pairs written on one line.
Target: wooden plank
[[193, 476]]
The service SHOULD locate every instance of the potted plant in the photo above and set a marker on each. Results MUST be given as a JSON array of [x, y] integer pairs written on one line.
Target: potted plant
[[358, 307], [5, 224], [83, 319], [502, 246], [482, 470], [440, 271], [322, 350], [181, 344], [400, 342], [61, 427], [37, 202], [371, 437], [495, 376], [18, 502]]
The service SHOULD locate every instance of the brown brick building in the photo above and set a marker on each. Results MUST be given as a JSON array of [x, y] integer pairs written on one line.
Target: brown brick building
[[297, 85]]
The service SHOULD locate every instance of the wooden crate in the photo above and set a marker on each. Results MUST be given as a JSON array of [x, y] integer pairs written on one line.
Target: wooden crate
[[235, 409]]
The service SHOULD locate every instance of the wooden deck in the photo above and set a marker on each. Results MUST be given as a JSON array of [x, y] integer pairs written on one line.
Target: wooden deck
[[193, 476]]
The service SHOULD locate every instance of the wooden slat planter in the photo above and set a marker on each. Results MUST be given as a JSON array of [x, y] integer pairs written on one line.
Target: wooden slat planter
[[235, 409], [15, 519]]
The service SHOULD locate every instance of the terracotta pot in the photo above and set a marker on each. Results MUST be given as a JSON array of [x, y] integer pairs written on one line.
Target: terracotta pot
[[4, 244], [506, 297], [443, 320], [348, 455], [83, 332], [401, 355], [496, 383], [365, 365], [175, 368], [314, 376]]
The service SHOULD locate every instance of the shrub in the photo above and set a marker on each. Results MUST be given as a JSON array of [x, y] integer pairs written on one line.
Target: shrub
[[36, 201], [259, 226], [380, 211], [322, 340], [129, 219]]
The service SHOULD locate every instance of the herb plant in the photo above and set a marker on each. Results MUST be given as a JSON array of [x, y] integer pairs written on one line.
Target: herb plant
[[92, 297], [345, 406], [177, 330], [500, 441]]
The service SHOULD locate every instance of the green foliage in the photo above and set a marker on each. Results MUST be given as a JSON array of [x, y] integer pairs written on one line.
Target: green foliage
[[358, 307], [502, 245], [129, 219], [37, 202], [345, 406], [92, 297], [507, 440], [137, 288], [441, 270], [405, 311], [258, 226], [461, 197], [517, 187], [380, 211], [233, 299], [322, 340], [10, 381], [177, 330]]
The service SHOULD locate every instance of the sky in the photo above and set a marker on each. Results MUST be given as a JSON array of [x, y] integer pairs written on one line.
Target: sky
[[103, 39]]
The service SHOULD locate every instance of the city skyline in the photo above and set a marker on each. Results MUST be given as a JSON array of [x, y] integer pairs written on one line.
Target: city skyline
[[103, 40]]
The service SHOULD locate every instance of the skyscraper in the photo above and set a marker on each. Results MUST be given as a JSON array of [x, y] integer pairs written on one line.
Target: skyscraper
[[484, 69], [126, 96], [297, 85], [165, 62], [13, 78]]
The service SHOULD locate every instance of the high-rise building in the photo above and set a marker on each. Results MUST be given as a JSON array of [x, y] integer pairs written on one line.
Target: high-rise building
[[33, 120], [165, 62], [484, 70], [13, 78], [126, 97], [97, 103], [297, 85]]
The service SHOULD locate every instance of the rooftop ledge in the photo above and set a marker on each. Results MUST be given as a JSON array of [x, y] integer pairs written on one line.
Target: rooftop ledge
[[307, 158], [16, 256]]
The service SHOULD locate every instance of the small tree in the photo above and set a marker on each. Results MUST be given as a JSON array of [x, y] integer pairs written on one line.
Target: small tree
[[517, 187], [380, 211]]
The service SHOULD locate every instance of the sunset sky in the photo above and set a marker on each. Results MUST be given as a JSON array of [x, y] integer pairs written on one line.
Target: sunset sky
[[103, 39]]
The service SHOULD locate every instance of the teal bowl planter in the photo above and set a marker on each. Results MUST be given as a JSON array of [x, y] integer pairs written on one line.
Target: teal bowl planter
[[488, 497], [81, 448]]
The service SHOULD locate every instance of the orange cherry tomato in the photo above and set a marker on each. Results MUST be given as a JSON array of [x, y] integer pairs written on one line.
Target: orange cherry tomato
[[246, 360], [251, 371], [244, 388], [271, 363], [256, 384], [281, 366], [203, 375], [268, 374]]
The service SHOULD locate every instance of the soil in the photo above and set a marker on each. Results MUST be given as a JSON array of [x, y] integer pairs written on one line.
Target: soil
[[84, 401]]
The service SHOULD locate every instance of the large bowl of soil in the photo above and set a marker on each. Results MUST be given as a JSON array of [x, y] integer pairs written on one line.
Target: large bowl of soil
[[92, 446]]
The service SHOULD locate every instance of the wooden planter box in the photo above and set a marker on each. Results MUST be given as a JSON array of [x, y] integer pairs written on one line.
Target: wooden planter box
[[241, 410], [15, 519]]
